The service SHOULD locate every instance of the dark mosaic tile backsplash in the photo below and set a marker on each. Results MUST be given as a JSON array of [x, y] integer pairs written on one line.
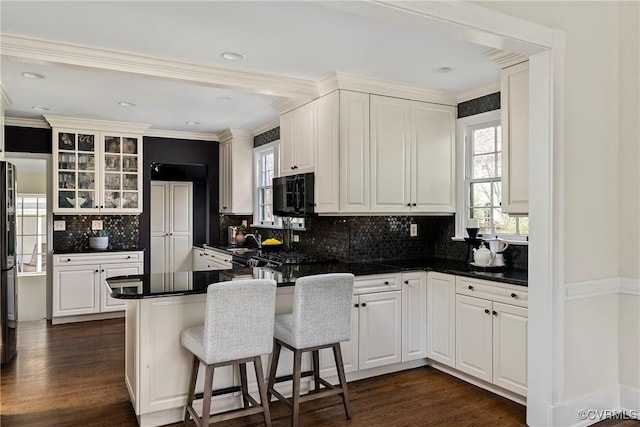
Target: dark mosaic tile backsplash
[[479, 105], [266, 137], [123, 232], [383, 238]]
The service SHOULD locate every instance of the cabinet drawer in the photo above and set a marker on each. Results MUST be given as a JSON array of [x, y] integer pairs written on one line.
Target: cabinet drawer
[[494, 291], [101, 258], [376, 283]]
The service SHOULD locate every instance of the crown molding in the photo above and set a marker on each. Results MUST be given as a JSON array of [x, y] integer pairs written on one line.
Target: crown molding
[[267, 127], [23, 48], [91, 124], [228, 134], [26, 123], [505, 59], [345, 81], [478, 92], [287, 104], [5, 101], [174, 134]]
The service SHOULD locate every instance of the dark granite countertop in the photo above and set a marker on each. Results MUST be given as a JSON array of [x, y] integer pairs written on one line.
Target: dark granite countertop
[[86, 250], [196, 282]]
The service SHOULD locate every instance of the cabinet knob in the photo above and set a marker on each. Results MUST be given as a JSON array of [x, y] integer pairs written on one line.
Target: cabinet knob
[[68, 259], [128, 256], [408, 204], [495, 313], [470, 287], [406, 282], [97, 271], [102, 270], [486, 310], [293, 167], [413, 204], [364, 304], [224, 207], [356, 305], [386, 283], [514, 296]]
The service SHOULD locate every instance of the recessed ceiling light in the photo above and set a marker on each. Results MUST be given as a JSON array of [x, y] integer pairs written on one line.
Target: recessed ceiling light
[[224, 99], [126, 104], [191, 123], [232, 56], [31, 75], [40, 108], [443, 70]]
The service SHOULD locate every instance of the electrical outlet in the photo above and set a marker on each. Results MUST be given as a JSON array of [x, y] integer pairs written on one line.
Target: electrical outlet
[[245, 223], [413, 230], [296, 238], [59, 225], [96, 224]]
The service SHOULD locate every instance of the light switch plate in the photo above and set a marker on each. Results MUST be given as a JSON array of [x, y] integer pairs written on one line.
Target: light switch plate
[[296, 237], [59, 225], [413, 230], [96, 224]]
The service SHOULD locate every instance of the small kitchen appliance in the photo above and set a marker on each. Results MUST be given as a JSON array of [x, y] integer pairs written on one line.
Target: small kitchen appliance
[[497, 246]]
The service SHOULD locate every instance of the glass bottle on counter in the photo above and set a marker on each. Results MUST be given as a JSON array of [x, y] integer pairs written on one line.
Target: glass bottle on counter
[[287, 234]]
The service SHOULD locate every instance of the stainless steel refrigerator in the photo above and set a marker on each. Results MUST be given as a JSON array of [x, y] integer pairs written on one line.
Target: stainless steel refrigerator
[[8, 289]]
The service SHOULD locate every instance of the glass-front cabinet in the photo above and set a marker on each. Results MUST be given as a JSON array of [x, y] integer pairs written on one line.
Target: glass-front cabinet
[[97, 172]]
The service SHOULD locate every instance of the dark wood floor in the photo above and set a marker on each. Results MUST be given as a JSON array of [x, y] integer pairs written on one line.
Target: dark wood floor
[[72, 375]]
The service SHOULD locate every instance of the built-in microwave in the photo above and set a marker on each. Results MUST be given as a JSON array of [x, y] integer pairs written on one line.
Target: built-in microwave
[[293, 195]]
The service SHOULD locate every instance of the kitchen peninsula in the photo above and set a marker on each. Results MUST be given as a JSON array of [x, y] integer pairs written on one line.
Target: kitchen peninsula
[[396, 307]]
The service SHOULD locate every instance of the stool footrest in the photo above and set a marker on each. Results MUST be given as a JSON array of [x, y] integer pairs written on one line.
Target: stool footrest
[[318, 394]]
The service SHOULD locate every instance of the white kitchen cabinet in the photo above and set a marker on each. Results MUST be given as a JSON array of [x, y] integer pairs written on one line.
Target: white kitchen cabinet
[[211, 259], [491, 337], [78, 282], [327, 166], [349, 348], [172, 231], [412, 156], [414, 316], [236, 172], [510, 347], [298, 140], [514, 100], [380, 320], [97, 166], [441, 318]]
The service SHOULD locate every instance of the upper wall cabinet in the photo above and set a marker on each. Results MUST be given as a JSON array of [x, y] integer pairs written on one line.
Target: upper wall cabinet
[[412, 156], [96, 170], [236, 172], [298, 140], [514, 99]]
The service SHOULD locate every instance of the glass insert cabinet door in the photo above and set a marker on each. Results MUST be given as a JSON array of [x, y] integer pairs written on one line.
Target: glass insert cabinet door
[[76, 171], [121, 182]]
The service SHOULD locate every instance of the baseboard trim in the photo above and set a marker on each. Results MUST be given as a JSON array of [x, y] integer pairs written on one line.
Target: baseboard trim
[[588, 409], [630, 401], [86, 317]]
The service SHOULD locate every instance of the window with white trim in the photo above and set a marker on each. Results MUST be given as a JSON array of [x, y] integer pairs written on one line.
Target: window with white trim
[[266, 160], [31, 233], [483, 183]]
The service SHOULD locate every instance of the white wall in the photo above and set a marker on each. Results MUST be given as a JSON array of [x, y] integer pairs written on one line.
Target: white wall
[[600, 190], [32, 304], [32, 183]]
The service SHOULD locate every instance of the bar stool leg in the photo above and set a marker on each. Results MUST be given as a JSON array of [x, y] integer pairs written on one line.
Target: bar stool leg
[[275, 355], [262, 389], [208, 388], [297, 372], [192, 387], [337, 355], [316, 369], [243, 383]]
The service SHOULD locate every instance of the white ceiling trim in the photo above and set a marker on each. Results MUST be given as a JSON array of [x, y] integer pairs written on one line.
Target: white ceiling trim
[[267, 127], [505, 59], [23, 48], [96, 125], [174, 134], [228, 134], [287, 104], [26, 123]]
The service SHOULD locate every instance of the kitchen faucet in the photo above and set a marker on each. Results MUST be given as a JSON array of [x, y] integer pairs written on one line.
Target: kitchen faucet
[[257, 239]]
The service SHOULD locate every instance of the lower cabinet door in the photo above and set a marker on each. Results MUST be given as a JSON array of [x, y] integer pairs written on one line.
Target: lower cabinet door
[[414, 316], [112, 270], [76, 290], [380, 337], [441, 318], [474, 336], [510, 347]]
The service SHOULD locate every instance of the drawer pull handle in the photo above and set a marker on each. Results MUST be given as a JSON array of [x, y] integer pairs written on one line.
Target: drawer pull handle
[[514, 296], [486, 310], [364, 304], [495, 313], [470, 287], [386, 283], [356, 305]]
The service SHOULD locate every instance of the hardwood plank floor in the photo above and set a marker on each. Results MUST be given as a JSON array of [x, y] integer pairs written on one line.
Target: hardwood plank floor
[[73, 375]]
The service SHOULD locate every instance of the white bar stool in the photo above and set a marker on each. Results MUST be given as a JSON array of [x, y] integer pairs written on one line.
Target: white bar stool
[[321, 318], [238, 328]]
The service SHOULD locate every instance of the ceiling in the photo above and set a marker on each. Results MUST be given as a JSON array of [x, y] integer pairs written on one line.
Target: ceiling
[[298, 42]]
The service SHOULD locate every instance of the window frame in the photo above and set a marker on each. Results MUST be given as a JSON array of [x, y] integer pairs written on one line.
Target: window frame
[[464, 126], [258, 154], [40, 234]]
